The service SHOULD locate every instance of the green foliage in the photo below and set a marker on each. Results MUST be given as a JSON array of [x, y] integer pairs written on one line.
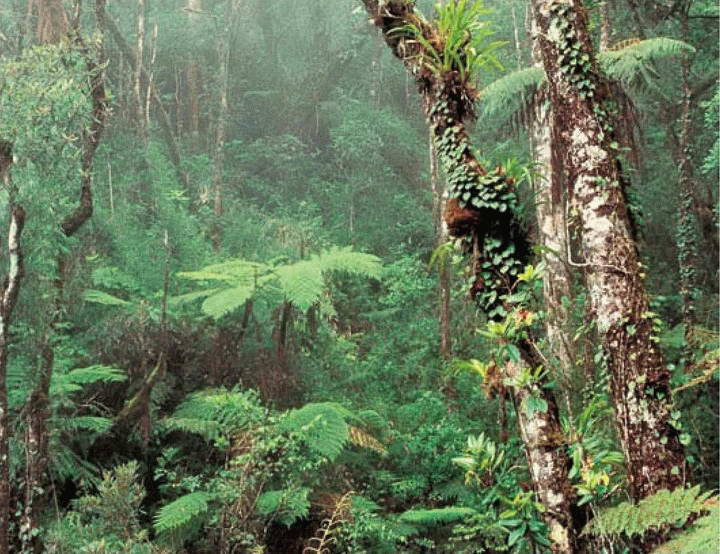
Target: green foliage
[[463, 40], [215, 413], [106, 522], [702, 536], [661, 509], [301, 283], [183, 512], [435, 517], [322, 426], [287, 506], [505, 96], [632, 65]]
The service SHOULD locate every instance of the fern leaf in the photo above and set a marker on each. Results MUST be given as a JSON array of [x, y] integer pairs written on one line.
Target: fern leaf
[[702, 536], [192, 296], [226, 301], [363, 439], [215, 411], [94, 424], [286, 505], [182, 512], [346, 260], [322, 426], [632, 64], [503, 97], [664, 508], [95, 374], [103, 298], [302, 282], [436, 517]]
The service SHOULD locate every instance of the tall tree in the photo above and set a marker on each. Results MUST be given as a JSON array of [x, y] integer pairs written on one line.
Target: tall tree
[[582, 131], [8, 299], [441, 69], [38, 411]]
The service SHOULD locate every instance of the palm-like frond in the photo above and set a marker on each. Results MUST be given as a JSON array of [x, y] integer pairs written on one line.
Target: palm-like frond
[[183, 512], [511, 93], [632, 65]]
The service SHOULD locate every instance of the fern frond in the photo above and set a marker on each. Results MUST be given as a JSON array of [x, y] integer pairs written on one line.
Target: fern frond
[[183, 512], [702, 536], [302, 282], [436, 517], [632, 64], [320, 543], [323, 426], [654, 512], [287, 505], [220, 303], [504, 97], [346, 260], [94, 424], [363, 439], [103, 298], [216, 411]]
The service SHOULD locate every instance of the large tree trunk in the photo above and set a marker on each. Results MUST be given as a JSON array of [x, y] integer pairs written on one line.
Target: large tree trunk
[[8, 299], [448, 102], [581, 130], [39, 401]]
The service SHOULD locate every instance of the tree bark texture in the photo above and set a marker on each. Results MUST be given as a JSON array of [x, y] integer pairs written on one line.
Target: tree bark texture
[[582, 131]]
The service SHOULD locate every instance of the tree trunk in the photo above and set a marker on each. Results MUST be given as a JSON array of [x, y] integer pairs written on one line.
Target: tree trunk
[[687, 225], [192, 73], [581, 130], [138, 82], [439, 195], [448, 102], [52, 21], [223, 49], [163, 118], [11, 289]]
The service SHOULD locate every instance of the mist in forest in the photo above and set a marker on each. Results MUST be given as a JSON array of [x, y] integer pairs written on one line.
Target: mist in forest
[[359, 276]]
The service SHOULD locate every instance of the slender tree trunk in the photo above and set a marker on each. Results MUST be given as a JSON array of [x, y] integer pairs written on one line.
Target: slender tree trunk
[[192, 73], [605, 24], [160, 112], [581, 129], [439, 194], [686, 229], [138, 82], [39, 401], [8, 299], [223, 49], [448, 102]]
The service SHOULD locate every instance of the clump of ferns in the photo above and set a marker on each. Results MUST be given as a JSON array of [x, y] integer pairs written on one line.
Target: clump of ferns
[[325, 535], [459, 42]]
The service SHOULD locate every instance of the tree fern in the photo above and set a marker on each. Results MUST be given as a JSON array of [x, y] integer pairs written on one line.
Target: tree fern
[[183, 512], [663, 508], [301, 283]]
